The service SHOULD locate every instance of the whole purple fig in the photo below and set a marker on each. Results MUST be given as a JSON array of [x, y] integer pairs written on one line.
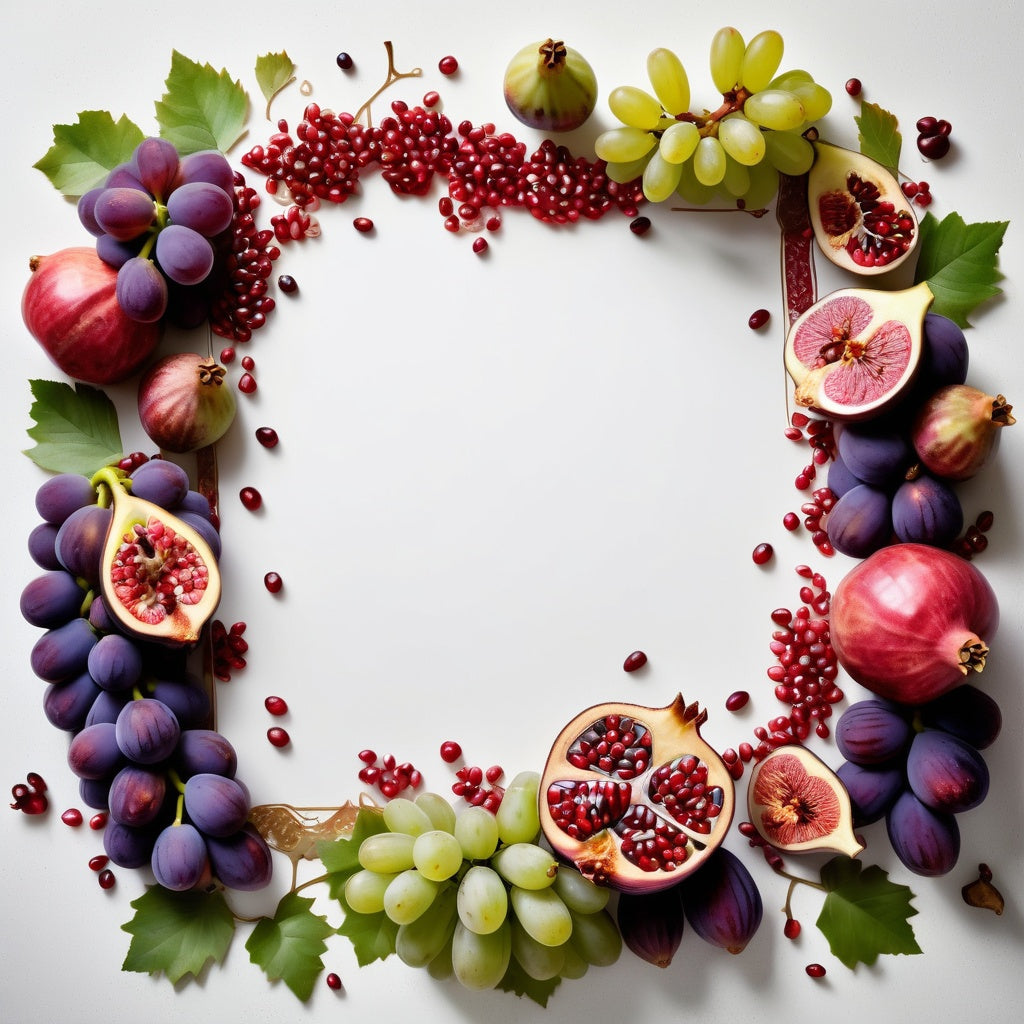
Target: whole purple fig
[[651, 924], [722, 902]]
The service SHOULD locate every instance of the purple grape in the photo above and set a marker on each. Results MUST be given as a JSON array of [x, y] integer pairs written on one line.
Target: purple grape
[[196, 503], [124, 213], [141, 290], [125, 175], [80, 542], [160, 481], [51, 599], [67, 705], [202, 207], [157, 166], [179, 859], [926, 841], [61, 495], [99, 616], [872, 732], [242, 861], [873, 790], [136, 795], [840, 479], [966, 712], [860, 522], [184, 255], [205, 752], [209, 165], [106, 707], [114, 253], [62, 653], [927, 511], [189, 701], [722, 901], [877, 455], [94, 792], [129, 847], [946, 773], [217, 806], [42, 546], [86, 210], [93, 753], [205, 529], [115, 663], [147, 731]]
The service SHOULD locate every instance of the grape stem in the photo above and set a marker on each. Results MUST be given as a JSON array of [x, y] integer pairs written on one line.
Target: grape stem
[[393, 76], [707, 123]]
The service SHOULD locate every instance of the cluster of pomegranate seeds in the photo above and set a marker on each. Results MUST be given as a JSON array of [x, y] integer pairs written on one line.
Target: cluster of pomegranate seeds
[[614, 745], [974, 541], [918, 191], [387, 774], [819, 436], [30, 795], [885, 233], [229, 647], [933, 137], [479, 786], [681, 786]]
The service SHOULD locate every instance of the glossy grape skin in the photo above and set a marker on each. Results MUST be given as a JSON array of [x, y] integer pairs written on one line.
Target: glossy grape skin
[[99, 616], [123, 212], [946, 773], [137, 795], [51, 599], [129, 847], [840, 479], [86, 210], [160, 481], [94, 792], [156, 164], [926, 841], [141, 290], [67, 705], [115, 663], [179, 858], [147, 731], [873, 790], [871, 732], [205, 752], [125, 175], [966, 712], [877, 455], [42, 548], [860, 522], [61, 495], [205, 529], [202, 207], [242, 861], [93, 752], [62, 653], [217, 806], [184, 255], [188, 700], [80, 540], [116, 254], [196, 503], [927, 511], [106, 707], [208, 165]]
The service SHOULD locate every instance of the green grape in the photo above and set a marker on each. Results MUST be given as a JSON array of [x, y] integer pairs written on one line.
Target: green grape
[[364, 891], [776, 109], [669, 80], [438, 809], [517, 815], [542, 913], [736, 180], [408, 896], [789, 152], [691, 189], [402, 815], [660, 178], [816, 99], [790, 78], [440, 968], [386, 852], [437, 855], [678, 141], [525, 865], [573, 965], [709, 161], [635, 107], [764, 183], [580, 893], [480, 961], [540, 962], [761, 60], [420, 941], [482, 900], [476, 829], [623, 145], [596, 938], [622, 173], [727, 49], [741, 140]]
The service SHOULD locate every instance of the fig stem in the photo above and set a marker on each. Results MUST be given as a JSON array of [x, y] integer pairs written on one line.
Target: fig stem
[[798, 880]]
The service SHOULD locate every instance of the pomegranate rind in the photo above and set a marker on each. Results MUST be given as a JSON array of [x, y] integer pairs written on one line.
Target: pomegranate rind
[[856, 352], [799, 805], [842, 224], [676, 731]]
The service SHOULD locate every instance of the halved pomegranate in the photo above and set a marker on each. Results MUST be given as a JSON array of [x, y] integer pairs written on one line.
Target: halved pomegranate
[[633, 796]]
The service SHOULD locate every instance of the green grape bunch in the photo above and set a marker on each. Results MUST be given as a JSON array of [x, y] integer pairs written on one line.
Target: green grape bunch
[[736, 150]]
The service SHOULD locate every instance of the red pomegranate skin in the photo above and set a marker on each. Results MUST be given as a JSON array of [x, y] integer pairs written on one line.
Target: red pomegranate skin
[[70, 307]]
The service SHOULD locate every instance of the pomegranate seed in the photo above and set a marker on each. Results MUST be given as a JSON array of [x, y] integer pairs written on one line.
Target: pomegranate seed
[[247, 384], [287, 284], [72, 817], [278, 706], [367, 756], [640, 225], [480, 246], [99, 862], [448, 65], [763, 553], [792, 928], [634, 661], [363, 224], [494, 773], [106, 879], [493, 223], [250, 498], [791, 521], [815, 971], [345, 62], [853, 86], [278, 737], [227, 355], [333, 981], [248, 363], [273, 582], [98, 822], [736, 701], [758, 319], [450, 751], [984, 521], [267, 436], [431, 99]]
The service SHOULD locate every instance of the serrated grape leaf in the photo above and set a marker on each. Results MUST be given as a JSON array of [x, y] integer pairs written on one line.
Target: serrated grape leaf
[[960, 263], [76, 428], [202, 108], [372, 935], [273, 72], [84, 153], [879, 136], [290, 945], [865, 914], [518, 981], [178, 933], [340, 857]]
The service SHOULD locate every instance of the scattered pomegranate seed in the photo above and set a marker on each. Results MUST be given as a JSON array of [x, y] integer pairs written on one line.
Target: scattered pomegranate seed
[[480, 246], [450, 751], [634, 661], [494, 773], [247, 384], [791, 521], [99, 862], [267, 436], [758, 319], [227, 355], [345, 62], [106, 879], [287, 284], [250, 498], [791, 929], [763, 553], [493, 223], [431, 99], [277, 706], [640, 225], [736, 701], [853, 86], [273, 582], [30, 795], [72, 817], [448, 65], [278, 737], [363, 224], [815, 971], [98, 822], [333, 981]]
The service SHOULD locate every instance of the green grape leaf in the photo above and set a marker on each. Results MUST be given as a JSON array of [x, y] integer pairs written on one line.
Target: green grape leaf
[[273, 72], [202, 108], [340, 857], [864, 913], [879, 136], [84, 153], [178, 933], [518, 981], [372, 935], [75, 428], [290, 945], [959, 261]]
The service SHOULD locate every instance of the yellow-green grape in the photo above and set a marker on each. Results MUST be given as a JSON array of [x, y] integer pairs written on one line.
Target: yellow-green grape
[[580, 893], [761, 60], [727, 49], [420, 941], [622, 173], [691, 189], [775, 109], [540, 962], [542, 913], [480, 961], [635, 107], [709, 161], [386, 852], [669, 80], [596, 938], [408, 896], [816, 99], [573, 965], [517, 815], [742, 140], [440, 968], [364, 891], [736, 180], [402, 815], [623, 145], [764, 183], [525, 865], [438, 809], [789, 152], [660, 178], [482, 900], [477, 833], [678, 142], [437, 855]]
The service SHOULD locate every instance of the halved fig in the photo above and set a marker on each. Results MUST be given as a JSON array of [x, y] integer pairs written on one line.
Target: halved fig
[[855, 352], [861, 219], [799, 805], [159, 578], [633, 796]]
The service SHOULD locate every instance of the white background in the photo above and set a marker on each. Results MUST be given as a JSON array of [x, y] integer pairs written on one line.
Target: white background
[[498, 477]]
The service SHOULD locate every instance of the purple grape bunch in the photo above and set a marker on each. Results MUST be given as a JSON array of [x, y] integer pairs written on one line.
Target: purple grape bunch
[[918, 768], [139, 741]]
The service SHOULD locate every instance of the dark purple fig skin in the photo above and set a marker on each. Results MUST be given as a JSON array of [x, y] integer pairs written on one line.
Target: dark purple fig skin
[[926, 841], [67, 705], [62, 653], [871, 732], [860, 521], [722, 902], [51, 599], [137, 795], [147, 731], [840, 478], [179, 859], [878, 455], [946, 773], [945, 356], [652, 923], [80, 539], [926, 511], [242, 861], [872, 790], [967, 712]]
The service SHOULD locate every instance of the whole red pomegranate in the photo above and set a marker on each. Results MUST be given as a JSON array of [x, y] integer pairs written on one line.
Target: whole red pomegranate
[[70, 307]]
